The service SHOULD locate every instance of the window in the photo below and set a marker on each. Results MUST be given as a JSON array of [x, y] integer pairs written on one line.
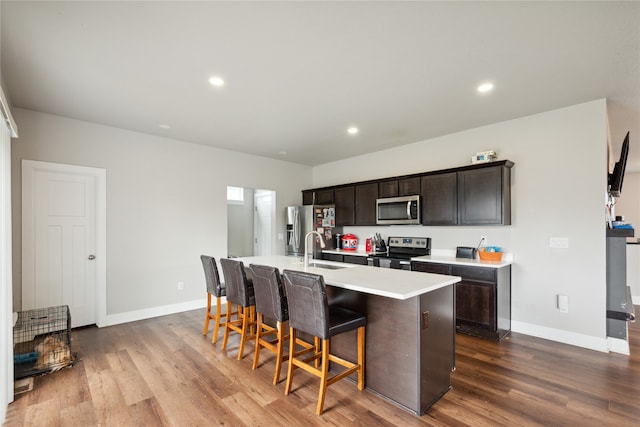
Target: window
[[235, 195]]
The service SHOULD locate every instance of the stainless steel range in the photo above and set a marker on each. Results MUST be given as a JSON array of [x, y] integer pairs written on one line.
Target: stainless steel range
[[400, 250]]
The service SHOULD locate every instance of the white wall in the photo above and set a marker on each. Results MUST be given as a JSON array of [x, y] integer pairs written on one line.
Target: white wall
[[166, 205], [558, 190]]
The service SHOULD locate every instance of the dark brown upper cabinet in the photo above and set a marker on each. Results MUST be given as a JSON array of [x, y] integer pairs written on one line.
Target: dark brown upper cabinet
[[308, 197], [366, 196], [325, 197], [388, 188], [345, 205], [440, 199], [409, 186], [468, 195], [484, 196]]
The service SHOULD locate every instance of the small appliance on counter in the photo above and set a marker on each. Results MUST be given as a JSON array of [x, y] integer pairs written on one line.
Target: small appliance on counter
[[349, 242]]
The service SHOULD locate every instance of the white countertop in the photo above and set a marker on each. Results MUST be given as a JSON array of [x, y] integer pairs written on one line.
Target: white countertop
[[386, 282], [444, 259]]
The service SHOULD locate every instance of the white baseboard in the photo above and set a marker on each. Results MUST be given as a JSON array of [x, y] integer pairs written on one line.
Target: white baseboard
[[147, 313], [617, 345], [571, 338]]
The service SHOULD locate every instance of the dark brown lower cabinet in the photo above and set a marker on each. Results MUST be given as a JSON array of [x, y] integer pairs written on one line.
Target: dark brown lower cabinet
[[350, 259], [483, 297]]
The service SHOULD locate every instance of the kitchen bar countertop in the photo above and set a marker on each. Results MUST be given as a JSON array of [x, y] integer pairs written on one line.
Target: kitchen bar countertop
[[507, 259], [385, 282]]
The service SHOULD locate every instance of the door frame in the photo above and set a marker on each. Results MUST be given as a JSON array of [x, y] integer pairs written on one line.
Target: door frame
[[28, 168]]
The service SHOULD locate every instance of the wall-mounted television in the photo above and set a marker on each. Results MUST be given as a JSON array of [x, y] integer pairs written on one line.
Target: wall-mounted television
[[617, 176]]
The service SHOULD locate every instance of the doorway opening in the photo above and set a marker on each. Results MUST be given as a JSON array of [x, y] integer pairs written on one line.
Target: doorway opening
[[251, 222]]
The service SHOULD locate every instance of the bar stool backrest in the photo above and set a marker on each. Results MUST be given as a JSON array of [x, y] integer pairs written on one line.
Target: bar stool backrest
[[211, 276], [308, 304], [271, 300], [239, 291]]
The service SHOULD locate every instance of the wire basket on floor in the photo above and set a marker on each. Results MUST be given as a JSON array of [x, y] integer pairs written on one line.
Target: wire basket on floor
[[42, 341]]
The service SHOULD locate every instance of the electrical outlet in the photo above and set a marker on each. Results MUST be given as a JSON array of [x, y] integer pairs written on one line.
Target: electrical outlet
[[559, 242], [483, 241], [180, 286]]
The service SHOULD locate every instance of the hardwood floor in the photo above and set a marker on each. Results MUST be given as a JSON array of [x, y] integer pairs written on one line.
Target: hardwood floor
[[162, 371]]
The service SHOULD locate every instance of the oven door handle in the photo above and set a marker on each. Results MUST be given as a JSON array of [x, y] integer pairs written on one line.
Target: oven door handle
[[409, 210]]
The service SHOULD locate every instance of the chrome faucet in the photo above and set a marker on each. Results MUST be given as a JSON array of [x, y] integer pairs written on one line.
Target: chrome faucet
[[306, 246]]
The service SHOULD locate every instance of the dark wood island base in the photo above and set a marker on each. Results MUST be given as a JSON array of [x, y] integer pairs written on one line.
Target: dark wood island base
[[410, 344]]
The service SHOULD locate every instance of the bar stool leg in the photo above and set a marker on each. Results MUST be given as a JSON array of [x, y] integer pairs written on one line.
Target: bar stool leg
[[279, 352], [207, 315], [226, 325], [292, 351], [218, 318], [324, 376], [256, 353]]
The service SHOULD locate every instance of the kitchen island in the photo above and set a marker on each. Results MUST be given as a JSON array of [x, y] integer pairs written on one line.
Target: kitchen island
[[410, 333]]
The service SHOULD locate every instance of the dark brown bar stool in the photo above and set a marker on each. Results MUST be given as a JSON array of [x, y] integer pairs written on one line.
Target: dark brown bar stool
[[310, 312], [214, 288], [240, 292], [271, 303]]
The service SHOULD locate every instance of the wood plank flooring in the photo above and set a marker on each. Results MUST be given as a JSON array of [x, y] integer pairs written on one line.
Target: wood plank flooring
[[163, 372]]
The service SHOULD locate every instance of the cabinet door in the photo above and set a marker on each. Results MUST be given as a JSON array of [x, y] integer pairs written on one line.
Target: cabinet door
[[366, 195], [476, 296], [345, 205], [307, 197], [476, 303], [480, 197], [439, 199], [409, 186], [324, 197], [388, 188]]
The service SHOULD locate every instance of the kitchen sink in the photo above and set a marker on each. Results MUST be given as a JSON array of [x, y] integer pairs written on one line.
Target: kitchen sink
[[327, 266]]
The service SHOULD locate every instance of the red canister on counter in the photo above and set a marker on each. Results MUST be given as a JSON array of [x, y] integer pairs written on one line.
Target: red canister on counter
[[368, 245], [349, 242]]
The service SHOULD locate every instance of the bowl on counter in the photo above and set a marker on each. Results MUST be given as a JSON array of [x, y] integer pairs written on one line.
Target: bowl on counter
[[490, 254]]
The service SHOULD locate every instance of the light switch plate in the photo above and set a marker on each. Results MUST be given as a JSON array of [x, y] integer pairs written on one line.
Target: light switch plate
[[559, 242]]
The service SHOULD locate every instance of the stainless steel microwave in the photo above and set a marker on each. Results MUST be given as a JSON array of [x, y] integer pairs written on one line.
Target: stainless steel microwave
[[398, 210]]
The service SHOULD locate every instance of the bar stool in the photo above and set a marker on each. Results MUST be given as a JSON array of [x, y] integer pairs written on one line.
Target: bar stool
[[240, 292], [214, 288], [271, 302], [310, 312]]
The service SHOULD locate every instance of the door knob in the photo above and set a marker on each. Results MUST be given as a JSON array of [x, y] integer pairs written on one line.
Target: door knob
[[92, 257]]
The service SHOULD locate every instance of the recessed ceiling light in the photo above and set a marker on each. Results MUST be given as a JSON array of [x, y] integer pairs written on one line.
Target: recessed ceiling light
[[216, 81], [284, 153], [165, 126], [353, 130], [485, 87]]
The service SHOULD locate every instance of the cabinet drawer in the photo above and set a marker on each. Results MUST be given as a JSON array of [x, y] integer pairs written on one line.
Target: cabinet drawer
[[435, 268], [332, 257], [475, 273], [355, 259]]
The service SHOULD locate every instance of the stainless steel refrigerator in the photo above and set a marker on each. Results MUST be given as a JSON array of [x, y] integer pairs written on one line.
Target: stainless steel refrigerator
[[302, 219]]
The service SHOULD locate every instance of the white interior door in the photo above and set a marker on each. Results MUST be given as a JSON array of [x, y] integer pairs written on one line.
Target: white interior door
[[60, 239], [263, 222]]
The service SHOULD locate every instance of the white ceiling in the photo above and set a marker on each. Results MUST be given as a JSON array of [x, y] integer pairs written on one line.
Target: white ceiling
[[299, 73]]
